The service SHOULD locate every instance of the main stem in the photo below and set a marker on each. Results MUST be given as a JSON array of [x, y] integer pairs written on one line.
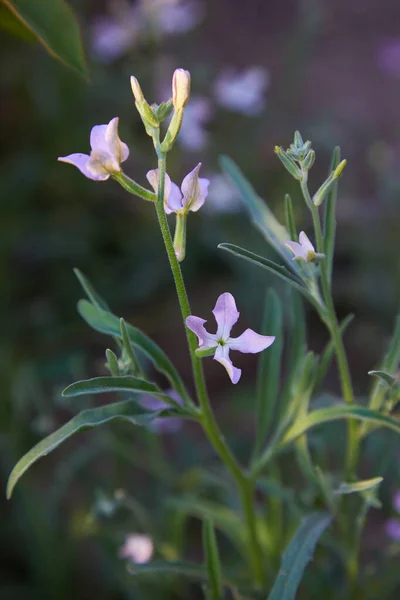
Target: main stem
[[208, 421]]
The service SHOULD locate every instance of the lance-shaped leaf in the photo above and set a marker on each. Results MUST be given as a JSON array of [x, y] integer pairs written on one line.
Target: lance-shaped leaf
[[297, 556], [262, 217], [126, 383], [106, 322], [91, 293], [385, 377], [358, 486], [54, 25], [328, 353], [269, 369], [211, 560], [279, 270], [297, 348], [87, 419]]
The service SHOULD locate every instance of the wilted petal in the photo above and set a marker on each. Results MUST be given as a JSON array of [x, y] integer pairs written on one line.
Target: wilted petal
[[194, 190], [206, 340], [250, 342], [138, 548], [116, 147], [226, 315], [222, 356], [172, 195], [81, 162], [305, 242], [98, 139], [297, 249]]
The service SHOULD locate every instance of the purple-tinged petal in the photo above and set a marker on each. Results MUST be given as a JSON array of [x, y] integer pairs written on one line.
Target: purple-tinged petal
[[194, 194], [98, 139], [392, 528], [116, 147], [222, 356], [102, 164], [138, 548], [250, 342], [170, 189], [297, 249], [206, 340], [174, 202], [305, 242], [81, 162], [226, 315]]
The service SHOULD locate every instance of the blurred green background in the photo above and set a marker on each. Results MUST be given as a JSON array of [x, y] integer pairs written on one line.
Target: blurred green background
[[259, 70]]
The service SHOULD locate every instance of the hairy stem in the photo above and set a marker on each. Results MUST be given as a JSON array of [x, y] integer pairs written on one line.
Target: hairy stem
[[207, 419]]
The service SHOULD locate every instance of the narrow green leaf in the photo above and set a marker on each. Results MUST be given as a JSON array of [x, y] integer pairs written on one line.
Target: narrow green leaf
[[386, 377], [270, 266], [269, 369], [91, 293], [211, 560], [54, 25], [262, 217], [330, 216], [106, 322], [93, 417], [190, 570], [127, 346], [389, 364], [296, 348], [328, 353], [297, 556], [358, 486], [325, 415], [290, 220], [223, 518]]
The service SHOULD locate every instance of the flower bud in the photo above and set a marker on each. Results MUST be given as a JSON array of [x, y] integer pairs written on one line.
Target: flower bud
[[289, 163], [180, 88], [136, 89], [339, 169]]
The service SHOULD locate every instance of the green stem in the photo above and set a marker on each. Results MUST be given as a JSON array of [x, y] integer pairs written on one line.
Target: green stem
[[244, 484], [134, 188]]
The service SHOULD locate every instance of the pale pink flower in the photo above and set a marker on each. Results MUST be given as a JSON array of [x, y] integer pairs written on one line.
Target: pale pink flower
[[304, 250], [191, 196], [226, 315], [242, 92], [137, 548], [107, 153]]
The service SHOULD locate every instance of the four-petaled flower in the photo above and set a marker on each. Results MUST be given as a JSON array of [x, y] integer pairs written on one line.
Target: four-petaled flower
[[138, 548], [226, 315], [191, 196], [303, 250], [107, 153]]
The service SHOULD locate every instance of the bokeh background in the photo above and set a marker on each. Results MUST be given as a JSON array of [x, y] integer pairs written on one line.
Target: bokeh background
[[259, 70]]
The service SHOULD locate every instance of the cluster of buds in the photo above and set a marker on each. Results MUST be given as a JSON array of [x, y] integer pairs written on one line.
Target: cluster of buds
[[153, 115], [298, 160]]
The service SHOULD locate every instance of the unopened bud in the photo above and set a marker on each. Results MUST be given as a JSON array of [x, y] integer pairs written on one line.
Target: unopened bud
[[298, 140], [137, 90], [309, 160], [180, 88], [289, 163], [339, 169]]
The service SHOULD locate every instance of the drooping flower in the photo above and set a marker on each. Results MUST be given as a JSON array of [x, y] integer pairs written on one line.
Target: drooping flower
[[191, 196], [303, 250], [106, 155], [242, 92], [226, 315], [138, 548]]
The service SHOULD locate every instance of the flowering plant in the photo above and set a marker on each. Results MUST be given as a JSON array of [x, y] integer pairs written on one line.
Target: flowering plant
[[285, 412]]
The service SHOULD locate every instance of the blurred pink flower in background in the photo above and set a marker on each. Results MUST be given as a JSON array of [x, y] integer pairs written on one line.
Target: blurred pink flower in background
[[388, 57], [242, 92], [138, 548], [114, 34], [392, 526], [222, 196], [193, 135], [166, 425]]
